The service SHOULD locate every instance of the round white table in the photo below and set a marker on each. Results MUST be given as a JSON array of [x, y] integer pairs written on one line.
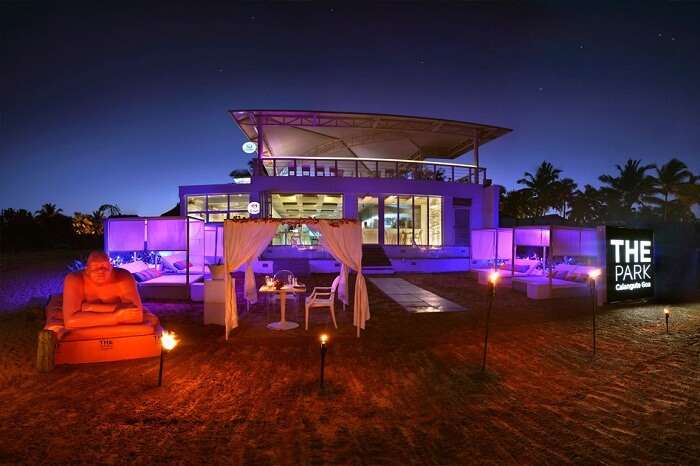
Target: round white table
[[283, 323]]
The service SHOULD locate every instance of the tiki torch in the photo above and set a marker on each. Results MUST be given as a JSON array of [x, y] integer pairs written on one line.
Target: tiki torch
[[592, 276], [167, 343], [324, 348], [493, 279], [667, 313]]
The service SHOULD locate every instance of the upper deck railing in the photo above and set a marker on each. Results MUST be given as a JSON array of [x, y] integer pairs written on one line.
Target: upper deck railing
[[370, 168]]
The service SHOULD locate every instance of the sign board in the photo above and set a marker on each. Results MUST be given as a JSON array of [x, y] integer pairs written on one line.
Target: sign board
[[249, 147], [253, 208], [630, 263]]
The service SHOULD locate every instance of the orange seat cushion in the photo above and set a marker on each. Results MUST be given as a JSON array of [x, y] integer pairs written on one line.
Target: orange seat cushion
[[147, 327]]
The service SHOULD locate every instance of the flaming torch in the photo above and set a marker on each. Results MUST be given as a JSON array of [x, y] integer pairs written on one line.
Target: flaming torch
[[493, 279], [168, 341], [324, 348], [592, 276], [667, 314]]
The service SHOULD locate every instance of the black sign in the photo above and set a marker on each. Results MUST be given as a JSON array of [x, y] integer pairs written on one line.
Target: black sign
[[630, 263]]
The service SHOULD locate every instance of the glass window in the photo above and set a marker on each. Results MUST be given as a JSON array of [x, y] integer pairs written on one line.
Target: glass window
[[326, 205], [218, 217], [406, 220], [306, 205], [239, 202], [390, 220], [368, 214], [435, 221], [215, 208], [217, 202], [420, 220], [196, 203]]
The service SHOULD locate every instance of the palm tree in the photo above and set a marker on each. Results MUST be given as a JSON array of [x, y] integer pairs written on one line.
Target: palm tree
[[48, 210], [632, 186], [588, 207], [113, 209], [542, 186], [563, 195], [517, 204], [670, 179]]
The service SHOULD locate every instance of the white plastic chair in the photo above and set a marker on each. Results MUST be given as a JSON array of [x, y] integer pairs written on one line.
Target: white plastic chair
[[322, 296]]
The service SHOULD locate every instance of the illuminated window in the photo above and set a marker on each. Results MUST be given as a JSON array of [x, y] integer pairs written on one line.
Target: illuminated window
[[435, 221], [368, 214], [321, 206], [412, 221], [391, 225], [215, 208]]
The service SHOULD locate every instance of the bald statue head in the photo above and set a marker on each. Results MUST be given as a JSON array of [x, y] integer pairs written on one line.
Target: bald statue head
[[98, 268]]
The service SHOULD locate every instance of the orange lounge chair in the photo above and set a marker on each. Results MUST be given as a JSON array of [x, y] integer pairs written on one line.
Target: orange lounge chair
[[103, 343]]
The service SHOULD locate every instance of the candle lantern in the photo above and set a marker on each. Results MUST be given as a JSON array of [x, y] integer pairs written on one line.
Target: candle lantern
[[592, 277], [493, 280], [324, 348], [168, 341]]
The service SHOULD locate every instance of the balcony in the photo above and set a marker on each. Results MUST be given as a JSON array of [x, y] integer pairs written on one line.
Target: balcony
[[370, 168]]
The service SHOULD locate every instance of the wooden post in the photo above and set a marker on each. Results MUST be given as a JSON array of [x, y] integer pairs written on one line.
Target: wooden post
[[46, 351]]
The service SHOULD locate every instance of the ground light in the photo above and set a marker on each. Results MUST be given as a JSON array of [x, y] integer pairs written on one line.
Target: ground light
[[493, 279], [667, 314], [593, 276], [324, 348], [168, 341]]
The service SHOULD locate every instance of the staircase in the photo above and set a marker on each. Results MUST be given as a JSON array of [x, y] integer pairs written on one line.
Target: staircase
[[375, 260]]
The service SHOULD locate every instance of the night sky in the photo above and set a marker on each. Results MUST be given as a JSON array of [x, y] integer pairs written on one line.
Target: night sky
[[124, 105]]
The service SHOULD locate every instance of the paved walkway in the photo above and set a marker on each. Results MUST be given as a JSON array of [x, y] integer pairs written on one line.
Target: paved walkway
[[414, 298]]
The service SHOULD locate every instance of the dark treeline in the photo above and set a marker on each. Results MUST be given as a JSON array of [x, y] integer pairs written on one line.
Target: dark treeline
[[49, 228], [634, 194]]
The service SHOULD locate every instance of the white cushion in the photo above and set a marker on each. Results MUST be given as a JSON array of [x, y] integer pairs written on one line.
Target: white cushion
[[134, 267]]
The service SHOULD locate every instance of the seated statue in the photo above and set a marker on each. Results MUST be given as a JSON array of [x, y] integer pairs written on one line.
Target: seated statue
[[100, 295]]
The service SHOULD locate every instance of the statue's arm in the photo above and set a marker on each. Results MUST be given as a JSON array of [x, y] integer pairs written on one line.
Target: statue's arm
[[131, 306], [73, 315]]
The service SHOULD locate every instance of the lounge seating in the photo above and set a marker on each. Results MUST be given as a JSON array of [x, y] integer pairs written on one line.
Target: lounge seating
[[567, 281], [167, 284], [523, 268], [102, 343]]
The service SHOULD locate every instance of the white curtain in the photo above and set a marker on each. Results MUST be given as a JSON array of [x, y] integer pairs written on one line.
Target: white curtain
[[243, 243], [505, 243], [343, 240], [483, 244]]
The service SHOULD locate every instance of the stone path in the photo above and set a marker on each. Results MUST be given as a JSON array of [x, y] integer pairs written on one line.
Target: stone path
[[414, 298]]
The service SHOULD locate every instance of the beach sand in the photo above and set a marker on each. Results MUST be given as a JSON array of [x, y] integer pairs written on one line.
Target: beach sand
[[409, 391]]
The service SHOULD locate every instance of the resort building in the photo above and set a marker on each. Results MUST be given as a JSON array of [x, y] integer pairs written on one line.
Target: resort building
[[396, 174]]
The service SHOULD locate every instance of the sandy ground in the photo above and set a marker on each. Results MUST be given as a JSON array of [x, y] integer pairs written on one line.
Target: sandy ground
[[408, 392]]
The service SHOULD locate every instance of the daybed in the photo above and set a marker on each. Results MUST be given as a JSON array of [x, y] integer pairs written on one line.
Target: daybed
[[170, 283], [523, 268], [567, 281], [103, 343]]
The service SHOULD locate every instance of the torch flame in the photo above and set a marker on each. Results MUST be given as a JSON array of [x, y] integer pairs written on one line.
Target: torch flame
[[324, 339], [168, 340], [593, 274], [493, 277], [667, 311]]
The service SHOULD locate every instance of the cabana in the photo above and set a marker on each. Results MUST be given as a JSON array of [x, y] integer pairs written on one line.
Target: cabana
[[494, 249], [542, 261], [246, 239], [165, 254]]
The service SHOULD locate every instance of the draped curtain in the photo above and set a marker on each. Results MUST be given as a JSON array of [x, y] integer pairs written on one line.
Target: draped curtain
[[243, 243], [245, 240], [343, 240]]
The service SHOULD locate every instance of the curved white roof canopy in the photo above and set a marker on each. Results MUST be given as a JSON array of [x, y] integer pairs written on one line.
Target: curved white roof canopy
[[344, 134]]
